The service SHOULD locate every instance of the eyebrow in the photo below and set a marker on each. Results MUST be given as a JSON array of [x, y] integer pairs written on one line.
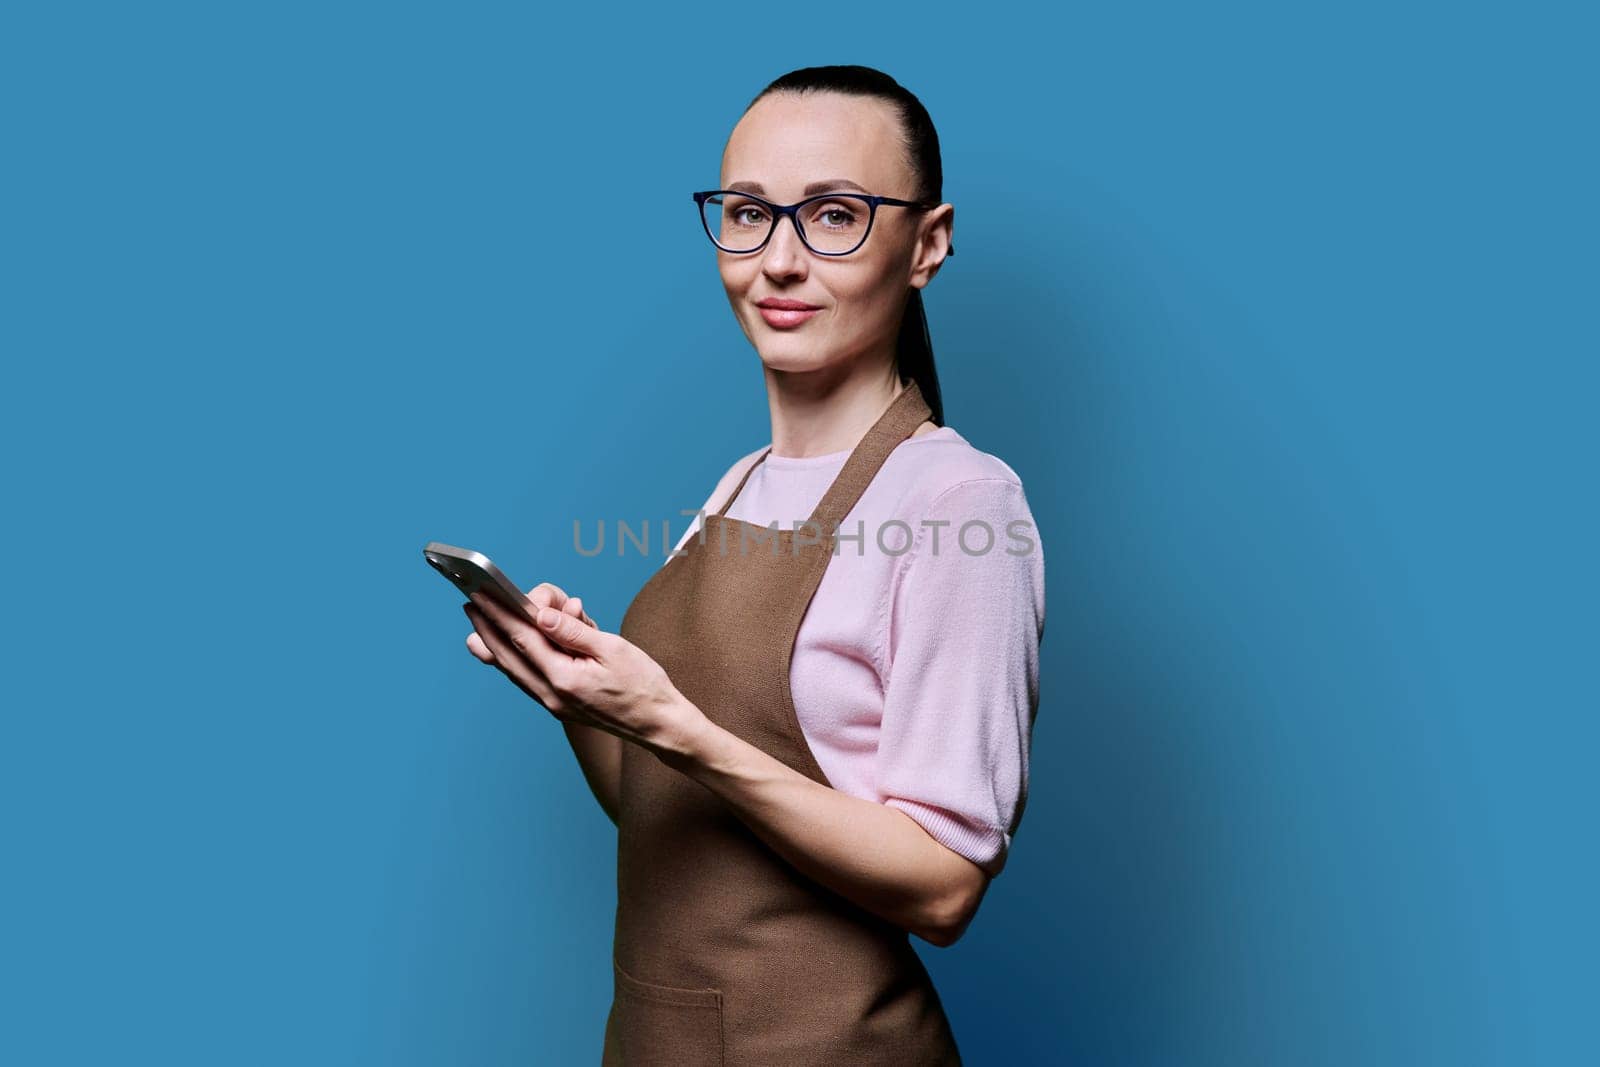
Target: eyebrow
[[810, 190]]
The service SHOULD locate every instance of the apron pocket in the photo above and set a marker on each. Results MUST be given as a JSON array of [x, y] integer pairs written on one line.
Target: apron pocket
[[662, 1026]]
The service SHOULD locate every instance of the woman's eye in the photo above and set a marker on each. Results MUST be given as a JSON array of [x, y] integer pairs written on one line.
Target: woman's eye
[[744, 215], [836, 217]]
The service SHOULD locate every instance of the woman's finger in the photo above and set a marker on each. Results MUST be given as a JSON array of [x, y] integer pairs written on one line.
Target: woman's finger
[[574, 607], [550, 595], [537, 646], [547, 595], [577, 612], [510, 661], [476, 646]]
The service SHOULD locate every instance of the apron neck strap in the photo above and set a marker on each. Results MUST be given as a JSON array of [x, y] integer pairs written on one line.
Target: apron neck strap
[[908, 411], [745, 478]]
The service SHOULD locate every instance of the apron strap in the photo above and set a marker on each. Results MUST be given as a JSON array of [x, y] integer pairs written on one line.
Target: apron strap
[[729, 502], [908, 411]]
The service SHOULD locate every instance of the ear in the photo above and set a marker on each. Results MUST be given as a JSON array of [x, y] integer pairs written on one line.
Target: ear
[[934, 244]]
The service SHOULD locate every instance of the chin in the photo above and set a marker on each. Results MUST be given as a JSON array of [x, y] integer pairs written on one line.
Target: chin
[[791, 363], [788, 353]]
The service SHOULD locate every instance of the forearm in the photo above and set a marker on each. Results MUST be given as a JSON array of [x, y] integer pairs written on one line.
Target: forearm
[[600, 755], [876, 856]]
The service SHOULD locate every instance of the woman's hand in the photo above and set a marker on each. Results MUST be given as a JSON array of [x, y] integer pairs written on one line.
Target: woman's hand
[[577, 671], [542, 595]]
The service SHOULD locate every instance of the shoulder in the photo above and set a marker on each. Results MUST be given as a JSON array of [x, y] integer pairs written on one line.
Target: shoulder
[[975, 550], [951, 494], [731, 477], [933, 470]]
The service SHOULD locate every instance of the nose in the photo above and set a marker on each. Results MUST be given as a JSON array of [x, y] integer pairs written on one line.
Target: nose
[[785, 252]]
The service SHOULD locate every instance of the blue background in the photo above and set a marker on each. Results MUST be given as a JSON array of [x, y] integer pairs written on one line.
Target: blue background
[[1285, 318]]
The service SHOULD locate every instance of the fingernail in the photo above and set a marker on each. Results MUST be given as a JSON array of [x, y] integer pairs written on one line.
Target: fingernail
[[548, 618]]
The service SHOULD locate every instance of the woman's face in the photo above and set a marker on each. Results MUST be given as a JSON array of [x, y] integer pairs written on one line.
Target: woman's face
[[785, 143]]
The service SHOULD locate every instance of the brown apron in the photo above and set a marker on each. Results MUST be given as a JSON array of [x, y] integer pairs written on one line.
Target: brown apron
[[725, 953]]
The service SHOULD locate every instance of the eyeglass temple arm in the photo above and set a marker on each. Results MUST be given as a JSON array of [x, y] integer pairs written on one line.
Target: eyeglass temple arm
[[949, 251]]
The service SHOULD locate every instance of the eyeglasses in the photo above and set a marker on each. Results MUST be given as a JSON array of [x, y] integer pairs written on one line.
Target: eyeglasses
[[832, 224]]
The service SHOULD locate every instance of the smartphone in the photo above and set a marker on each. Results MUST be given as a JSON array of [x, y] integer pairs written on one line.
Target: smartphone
[[473, 572]]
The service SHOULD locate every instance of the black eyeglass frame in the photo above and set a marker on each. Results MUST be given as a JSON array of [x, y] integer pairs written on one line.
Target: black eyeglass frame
[[791, 210]]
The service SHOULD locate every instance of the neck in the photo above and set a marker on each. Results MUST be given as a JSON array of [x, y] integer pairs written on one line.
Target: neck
[[817, 413]]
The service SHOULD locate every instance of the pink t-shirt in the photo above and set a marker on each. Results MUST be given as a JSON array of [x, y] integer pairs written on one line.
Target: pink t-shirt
[[915, 673]]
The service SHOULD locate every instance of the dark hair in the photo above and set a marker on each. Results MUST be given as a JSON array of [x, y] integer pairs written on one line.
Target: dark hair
[[914, 348]]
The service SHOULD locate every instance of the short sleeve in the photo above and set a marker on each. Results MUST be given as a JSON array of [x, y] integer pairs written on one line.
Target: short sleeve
[[965, 626]]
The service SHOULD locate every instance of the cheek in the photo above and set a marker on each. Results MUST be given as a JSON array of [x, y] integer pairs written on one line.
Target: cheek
[[738, 279], [861, 300]]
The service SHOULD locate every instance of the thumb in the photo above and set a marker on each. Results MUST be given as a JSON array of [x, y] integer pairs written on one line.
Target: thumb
[[568, 632]]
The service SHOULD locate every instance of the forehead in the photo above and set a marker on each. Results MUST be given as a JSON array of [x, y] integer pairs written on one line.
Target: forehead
[[786, 142]]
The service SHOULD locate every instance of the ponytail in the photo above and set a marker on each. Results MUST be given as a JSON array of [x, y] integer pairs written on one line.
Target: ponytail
[[914, 355]]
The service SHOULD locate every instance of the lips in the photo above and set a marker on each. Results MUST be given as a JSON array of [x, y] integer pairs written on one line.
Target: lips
[[782, 319], [785, 314]]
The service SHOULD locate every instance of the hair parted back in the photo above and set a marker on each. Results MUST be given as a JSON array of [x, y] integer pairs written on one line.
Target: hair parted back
[[914, 348]]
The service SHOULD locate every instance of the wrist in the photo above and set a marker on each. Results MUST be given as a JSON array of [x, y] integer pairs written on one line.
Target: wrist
[[679, 740]]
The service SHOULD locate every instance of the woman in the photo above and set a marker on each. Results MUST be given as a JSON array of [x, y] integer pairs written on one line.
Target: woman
[[818, 745]]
